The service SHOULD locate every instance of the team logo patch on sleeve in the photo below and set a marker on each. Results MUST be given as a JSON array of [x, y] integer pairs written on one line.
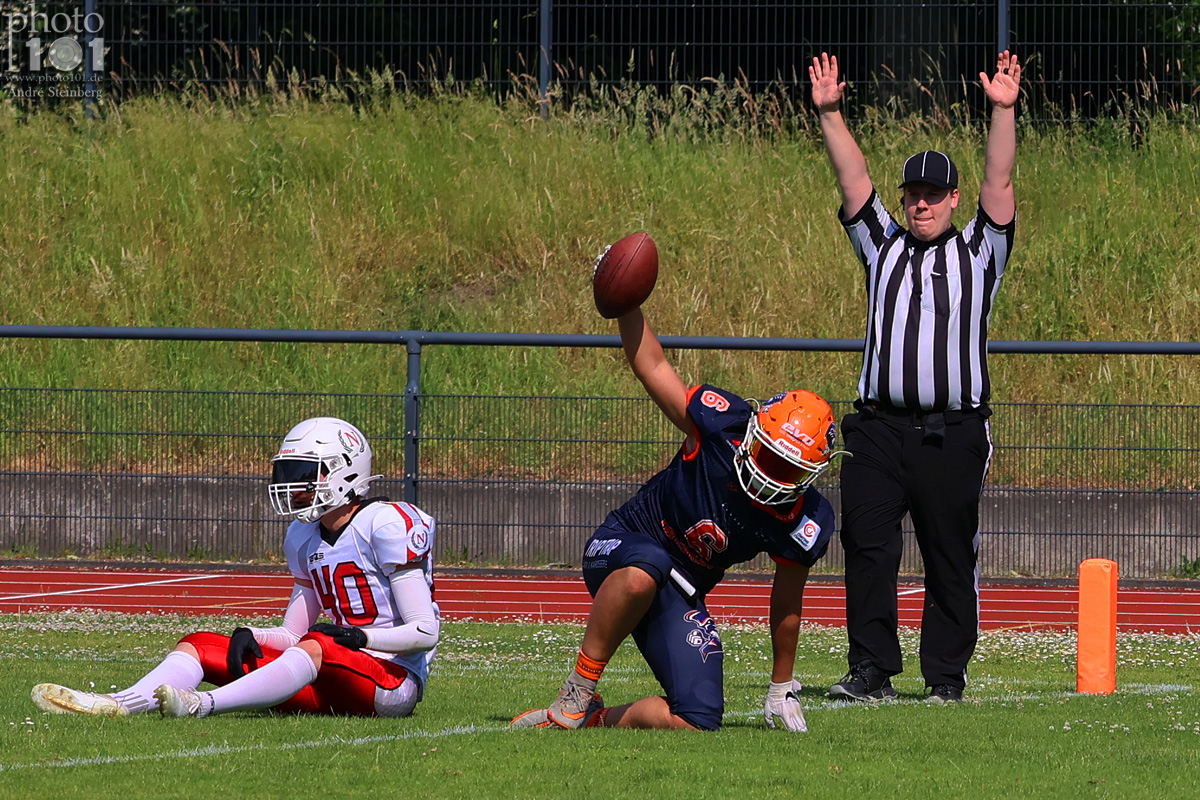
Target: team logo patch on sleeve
[[419, 540], [806, 533]]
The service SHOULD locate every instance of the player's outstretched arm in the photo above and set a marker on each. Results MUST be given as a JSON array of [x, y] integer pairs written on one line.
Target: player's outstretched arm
[[650, 365], [847, 158], [787, 607], [996, 193], [782, 703]]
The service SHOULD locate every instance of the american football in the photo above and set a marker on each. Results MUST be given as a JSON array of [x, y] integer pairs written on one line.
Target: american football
[[625, 274]]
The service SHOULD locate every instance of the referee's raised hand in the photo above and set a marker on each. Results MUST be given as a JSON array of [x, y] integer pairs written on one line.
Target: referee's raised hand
[[827, 90], [1003, 87]]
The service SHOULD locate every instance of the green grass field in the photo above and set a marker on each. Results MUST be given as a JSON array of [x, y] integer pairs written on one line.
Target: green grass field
[[1023, 732]]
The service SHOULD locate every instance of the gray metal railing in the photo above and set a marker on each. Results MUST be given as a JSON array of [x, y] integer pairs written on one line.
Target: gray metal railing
[[524, 480]]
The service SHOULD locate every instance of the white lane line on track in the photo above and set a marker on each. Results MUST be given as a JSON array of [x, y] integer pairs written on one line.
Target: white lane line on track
[[94, 589], [224, 750]]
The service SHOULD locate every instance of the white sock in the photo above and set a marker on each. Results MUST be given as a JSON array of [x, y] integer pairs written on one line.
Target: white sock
[[177, 669], [267, 686]]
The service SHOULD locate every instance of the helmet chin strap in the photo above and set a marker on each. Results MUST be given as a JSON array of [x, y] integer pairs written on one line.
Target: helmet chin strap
[[310, 514], [317, 510]]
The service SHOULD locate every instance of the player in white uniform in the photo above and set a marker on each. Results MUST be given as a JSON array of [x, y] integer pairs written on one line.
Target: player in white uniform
[[367, 562]]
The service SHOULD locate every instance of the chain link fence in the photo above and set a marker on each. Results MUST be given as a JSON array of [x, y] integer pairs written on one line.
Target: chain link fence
[[522, 481], [1084, 59]]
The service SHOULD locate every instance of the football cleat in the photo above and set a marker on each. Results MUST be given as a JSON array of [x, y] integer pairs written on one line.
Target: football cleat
[[533, 718], [575, 704], [864, 682], [173, 702], [541, 717], [57, 699], [944, 693]]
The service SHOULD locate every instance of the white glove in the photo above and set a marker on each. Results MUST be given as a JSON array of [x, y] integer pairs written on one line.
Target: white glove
[[783, 701]]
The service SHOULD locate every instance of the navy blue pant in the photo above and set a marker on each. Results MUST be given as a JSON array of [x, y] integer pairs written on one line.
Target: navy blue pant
[[677, 637], [894, 469]]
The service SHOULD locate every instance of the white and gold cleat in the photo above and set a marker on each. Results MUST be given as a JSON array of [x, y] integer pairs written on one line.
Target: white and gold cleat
[[175, 702], [57, 699]]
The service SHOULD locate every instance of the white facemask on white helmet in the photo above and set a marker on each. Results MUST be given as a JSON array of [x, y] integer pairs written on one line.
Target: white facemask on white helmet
[[322, 464]]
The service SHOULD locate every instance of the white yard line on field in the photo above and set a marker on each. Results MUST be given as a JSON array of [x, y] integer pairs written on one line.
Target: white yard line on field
[[828, 704], [459, 730], [224, 750]]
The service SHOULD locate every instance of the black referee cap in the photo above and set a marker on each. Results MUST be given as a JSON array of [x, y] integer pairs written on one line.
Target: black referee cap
[[931, 167]]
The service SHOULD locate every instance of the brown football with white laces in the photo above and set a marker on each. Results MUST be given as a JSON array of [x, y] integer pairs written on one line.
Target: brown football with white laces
[[625, 275]]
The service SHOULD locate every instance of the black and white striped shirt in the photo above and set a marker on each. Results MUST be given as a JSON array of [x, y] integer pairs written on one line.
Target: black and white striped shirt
[[929, 307]]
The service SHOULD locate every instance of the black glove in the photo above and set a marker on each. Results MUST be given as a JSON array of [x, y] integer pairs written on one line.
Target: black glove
[[242, 650], [353, 638]]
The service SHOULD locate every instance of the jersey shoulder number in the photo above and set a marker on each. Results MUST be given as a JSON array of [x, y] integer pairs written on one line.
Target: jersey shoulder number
[[714, 400], [713, 409]]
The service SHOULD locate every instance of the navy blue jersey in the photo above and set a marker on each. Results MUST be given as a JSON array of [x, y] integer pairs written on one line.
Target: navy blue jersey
[[697, 510]]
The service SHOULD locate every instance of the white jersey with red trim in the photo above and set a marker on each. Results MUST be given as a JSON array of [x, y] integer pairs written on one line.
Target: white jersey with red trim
[[351, 576]]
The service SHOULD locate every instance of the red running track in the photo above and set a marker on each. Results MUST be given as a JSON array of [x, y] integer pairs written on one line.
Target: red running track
[[554, 598]]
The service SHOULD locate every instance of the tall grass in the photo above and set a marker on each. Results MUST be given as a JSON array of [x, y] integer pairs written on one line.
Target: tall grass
[[451, 211]]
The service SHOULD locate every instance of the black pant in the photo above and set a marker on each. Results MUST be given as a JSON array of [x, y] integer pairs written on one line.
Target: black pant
[[896, 466]]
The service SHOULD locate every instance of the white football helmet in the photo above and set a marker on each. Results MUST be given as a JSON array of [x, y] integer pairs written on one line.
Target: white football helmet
[[322, 464]]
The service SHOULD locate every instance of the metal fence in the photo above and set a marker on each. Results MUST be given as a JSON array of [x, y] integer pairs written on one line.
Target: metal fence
[[524, 480], [1085, 59]]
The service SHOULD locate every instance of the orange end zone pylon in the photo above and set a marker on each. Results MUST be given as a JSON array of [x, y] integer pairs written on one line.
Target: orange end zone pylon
[[1096, 654]]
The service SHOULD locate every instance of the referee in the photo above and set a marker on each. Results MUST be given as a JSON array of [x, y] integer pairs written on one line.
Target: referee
[[920, 441]]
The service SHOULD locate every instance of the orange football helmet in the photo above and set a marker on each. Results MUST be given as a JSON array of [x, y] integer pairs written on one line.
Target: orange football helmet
[[788, 444]]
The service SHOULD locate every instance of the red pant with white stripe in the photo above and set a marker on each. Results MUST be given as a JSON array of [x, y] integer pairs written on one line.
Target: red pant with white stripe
[[346, 683]]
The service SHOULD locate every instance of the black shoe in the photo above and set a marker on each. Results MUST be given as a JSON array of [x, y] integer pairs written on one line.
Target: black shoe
[[866, 682], [944, 693]]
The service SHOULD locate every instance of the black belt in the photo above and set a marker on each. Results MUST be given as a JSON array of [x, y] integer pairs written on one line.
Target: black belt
[[932, 422]]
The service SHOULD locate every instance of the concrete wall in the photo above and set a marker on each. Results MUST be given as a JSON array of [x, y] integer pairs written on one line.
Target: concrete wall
[[1025, 532]]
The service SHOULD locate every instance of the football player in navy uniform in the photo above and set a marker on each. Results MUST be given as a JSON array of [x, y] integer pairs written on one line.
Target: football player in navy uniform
[[740, 485], [365, 562]]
